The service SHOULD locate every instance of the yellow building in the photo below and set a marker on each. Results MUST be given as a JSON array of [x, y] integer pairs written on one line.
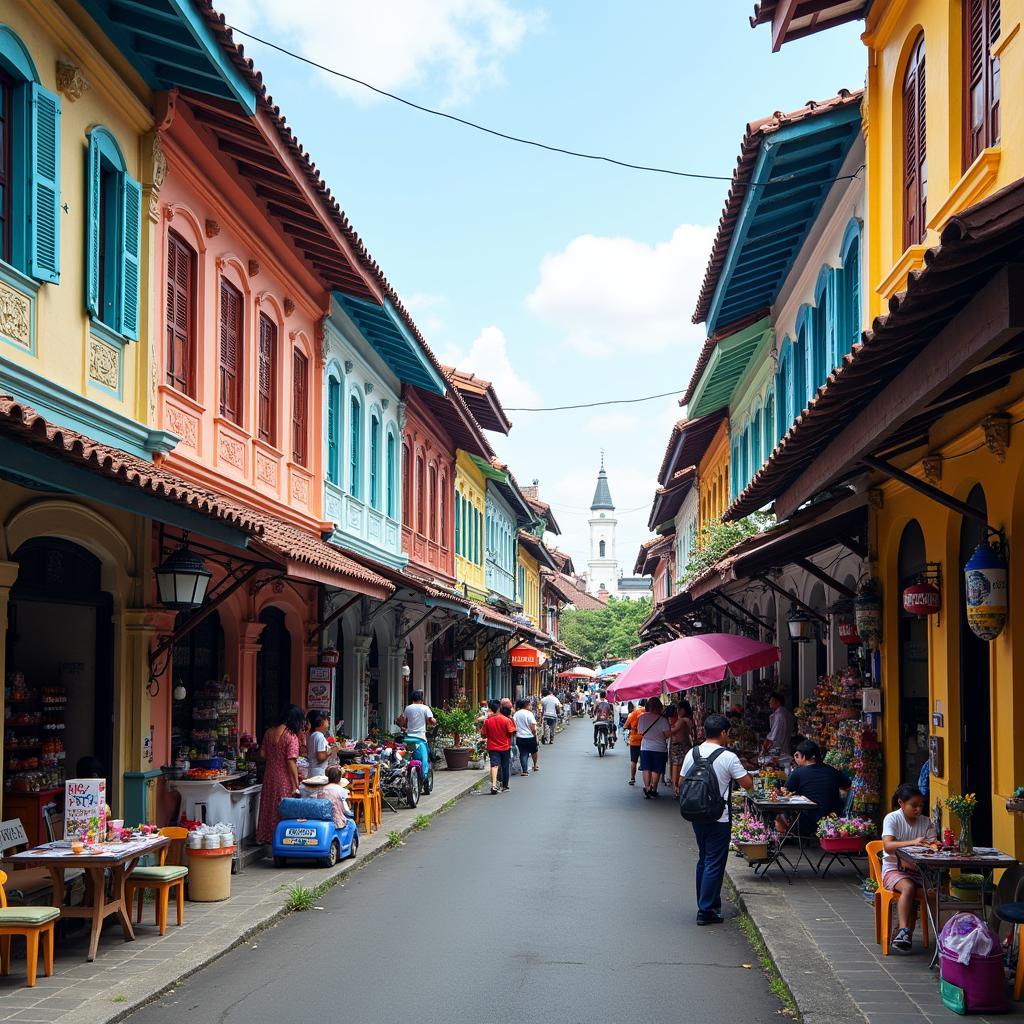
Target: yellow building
[[470, 522], [713, 479], [528, 579]]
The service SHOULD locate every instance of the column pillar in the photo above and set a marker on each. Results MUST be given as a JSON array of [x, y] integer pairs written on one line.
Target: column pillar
[[393, 659], [8, 574], [361, 689], [249, 647]]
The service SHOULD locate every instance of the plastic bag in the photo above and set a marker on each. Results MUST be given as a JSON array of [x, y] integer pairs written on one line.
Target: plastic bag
[[965, 936]]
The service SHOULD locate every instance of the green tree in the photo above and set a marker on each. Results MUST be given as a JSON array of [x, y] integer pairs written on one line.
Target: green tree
[[609, 633], [717, 538]]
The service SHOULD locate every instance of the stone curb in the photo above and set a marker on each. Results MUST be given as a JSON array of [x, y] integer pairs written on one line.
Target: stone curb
[[220, 941], [819, 995]]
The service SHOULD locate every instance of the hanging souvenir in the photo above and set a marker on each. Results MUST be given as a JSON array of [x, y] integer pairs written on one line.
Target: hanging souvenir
[[987, 593], [922, 598], [867, 610]]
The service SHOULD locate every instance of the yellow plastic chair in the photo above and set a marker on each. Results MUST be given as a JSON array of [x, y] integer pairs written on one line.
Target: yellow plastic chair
[[35, 923], [884, 899], [162, 879], [361, 795]]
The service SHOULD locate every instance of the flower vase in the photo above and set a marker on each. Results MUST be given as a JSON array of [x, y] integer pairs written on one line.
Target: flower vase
[[966, 838]]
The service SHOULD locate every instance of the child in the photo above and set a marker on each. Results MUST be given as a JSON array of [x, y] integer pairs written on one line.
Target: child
[[907, 826], [336, 791]]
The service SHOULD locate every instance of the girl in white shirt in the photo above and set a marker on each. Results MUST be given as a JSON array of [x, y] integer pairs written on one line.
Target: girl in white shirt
[[907, 826], [526, 735]]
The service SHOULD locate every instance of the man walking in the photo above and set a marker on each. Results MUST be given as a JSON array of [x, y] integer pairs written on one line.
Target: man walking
[[635, 739], [705, 777], [415, 719], [497, 730], [526, 736], [550, 706]]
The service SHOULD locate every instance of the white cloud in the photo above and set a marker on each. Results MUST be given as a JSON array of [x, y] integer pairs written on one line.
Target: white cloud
[[426, 309], [608, 295], [394, 44], [611, 422], [488, 357]]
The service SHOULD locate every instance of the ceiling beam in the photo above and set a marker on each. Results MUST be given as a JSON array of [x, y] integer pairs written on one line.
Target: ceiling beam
[[784, 12]]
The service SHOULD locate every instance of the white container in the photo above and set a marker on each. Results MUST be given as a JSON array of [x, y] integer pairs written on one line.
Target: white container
[[211, 841], [195, 840], [227, 840]]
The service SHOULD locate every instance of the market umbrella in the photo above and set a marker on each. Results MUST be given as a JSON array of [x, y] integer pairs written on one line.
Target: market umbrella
[[691, 661], [579, 672], [611, 671]]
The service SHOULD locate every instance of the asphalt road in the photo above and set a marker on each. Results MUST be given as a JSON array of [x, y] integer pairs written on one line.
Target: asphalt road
[[568, 899]]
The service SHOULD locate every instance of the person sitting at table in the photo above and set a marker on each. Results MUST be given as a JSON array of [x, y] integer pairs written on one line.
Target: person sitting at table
[[907, 825], [819, 782]]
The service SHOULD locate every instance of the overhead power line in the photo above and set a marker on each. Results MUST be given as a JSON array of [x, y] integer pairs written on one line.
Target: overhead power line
[[564, 151], [592, 405]]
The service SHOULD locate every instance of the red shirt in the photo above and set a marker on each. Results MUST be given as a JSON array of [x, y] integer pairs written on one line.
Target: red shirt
[[497, 730]]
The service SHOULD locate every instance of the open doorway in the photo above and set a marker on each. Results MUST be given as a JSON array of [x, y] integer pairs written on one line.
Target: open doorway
[[913, 660], [273, 670]]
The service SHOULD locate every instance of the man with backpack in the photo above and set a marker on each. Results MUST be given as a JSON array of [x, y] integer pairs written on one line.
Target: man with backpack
[[709, 771]]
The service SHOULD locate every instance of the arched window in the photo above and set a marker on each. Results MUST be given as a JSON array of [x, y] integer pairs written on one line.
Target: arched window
[[392, 476], [231, 362], [300, 408], [30, 203], [821, 323], [768, 421], [442, 503], [981, 31], [355, 445], [915, 155], [266, 381], [180, 351], [407, 487], [600, 549], [849, 333], [755, 442], [432, 500], [375, 501], [333, 429], [421, 499]]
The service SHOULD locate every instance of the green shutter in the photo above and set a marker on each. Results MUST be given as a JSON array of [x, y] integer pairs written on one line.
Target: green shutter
[[44, 227], [131, 245], [92, 228]]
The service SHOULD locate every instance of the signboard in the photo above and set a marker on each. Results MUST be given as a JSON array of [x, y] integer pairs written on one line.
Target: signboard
[[85, 808], [12, 833], [524, 656], [320, 693]]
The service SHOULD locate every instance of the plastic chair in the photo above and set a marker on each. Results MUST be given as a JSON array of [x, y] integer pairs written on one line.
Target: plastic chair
[[378, 796], [35, 923], [884, 899], [162, 879], [360, 795]]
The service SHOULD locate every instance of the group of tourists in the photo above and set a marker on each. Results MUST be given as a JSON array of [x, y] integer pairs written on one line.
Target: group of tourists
[[659, 738], [504, 725]]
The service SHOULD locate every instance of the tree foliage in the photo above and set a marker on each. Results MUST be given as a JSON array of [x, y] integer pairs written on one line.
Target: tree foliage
[[716, 538], [608, 633]]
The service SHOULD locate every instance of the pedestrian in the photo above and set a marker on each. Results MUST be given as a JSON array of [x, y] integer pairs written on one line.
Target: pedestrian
[[498, 729], [781, 729], [280, 753], [654, 729], [550, 706], [634, 739], [721, 767], [526, 736], [416, 718], [820, 783], [680, 741], [319, 752]]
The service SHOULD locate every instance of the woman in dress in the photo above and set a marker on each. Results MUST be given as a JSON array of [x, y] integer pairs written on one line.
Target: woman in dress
[[682, 739], [280, 752]]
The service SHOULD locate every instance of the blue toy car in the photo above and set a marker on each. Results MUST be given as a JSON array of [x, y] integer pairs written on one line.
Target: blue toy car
[[306, 831]]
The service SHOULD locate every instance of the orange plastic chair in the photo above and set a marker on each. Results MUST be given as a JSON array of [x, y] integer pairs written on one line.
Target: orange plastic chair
[[35, 923], [360, 795], [162, 879], [378, 797], [884, 899]]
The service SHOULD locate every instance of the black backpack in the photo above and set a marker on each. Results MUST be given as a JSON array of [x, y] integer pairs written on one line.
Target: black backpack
[[700, 795]]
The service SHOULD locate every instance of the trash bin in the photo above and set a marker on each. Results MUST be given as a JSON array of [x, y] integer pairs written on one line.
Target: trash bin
[[973, 978], [209, 874]]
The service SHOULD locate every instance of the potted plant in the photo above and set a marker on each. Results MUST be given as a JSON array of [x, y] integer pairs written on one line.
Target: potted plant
[[967, 887], [845, 835], [1016, 804], [478, 757], [456, 722], [750, 837]]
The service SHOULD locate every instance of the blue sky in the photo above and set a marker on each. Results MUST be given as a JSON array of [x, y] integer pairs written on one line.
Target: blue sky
[[564, 281]]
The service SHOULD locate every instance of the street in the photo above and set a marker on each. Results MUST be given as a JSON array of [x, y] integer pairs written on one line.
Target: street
[[568, 899]]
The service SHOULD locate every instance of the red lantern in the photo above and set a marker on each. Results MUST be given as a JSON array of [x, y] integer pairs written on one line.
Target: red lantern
[[848, 632], [330, 656], [922, 599]]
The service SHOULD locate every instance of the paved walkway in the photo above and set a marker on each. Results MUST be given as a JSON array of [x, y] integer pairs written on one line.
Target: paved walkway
[[126, 974], [822, 938], [567, 900]]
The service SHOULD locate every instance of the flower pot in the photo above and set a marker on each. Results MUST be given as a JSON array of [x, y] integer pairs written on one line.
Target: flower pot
[[1015, 806], [457, 758], [844, 844], [753, 851]]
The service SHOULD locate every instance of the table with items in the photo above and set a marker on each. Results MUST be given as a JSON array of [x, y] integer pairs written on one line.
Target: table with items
[[770, 808], [933, 864], [96, 859]]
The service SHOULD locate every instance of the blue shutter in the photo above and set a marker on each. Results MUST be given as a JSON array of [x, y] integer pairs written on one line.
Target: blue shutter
[[44, 225], [131, 246], [92, 229], [333, 389]]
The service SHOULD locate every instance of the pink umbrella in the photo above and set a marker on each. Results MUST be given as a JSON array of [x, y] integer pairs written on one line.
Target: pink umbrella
[[691, 661]]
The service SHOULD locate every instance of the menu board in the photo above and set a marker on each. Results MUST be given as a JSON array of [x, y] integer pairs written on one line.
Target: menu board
[[319, 690], [85, 808]]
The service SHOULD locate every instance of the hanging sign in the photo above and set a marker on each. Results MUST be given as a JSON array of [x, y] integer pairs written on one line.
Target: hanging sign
[[524, 656], [986, 590], [922, 599], [85, 808], [319, 691]]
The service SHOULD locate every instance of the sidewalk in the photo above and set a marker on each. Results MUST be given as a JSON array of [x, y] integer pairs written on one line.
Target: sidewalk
[[126, 975], [821, 936]]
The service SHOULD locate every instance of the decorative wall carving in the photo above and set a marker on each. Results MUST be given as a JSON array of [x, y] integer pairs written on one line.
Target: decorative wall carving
[[997, 434], [289, 307], [266, 470], [212, 228], [231, 451], [159, 162], [15, 316], [184, 425], [70, 80], [104, 364], [932, 466], [254, 268], [300, 490]]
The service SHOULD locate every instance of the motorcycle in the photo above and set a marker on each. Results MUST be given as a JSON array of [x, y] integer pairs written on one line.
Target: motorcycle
[[602, 730]]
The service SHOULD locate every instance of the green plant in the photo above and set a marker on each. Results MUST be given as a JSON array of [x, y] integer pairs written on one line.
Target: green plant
[[716, 538], [422, 821], [300, 898], [456, 721], [394, 838], [119, 999], [1018, 793]]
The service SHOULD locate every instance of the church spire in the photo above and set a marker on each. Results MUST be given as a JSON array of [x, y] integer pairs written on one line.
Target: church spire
[[602, 493]]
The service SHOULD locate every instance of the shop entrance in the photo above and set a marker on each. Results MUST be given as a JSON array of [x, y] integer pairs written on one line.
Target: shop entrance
[[198, 666], [60, 660], [975, 688], [913, 657], [273, 670]]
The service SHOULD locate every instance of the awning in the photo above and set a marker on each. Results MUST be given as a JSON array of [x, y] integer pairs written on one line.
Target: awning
[[525, 656]]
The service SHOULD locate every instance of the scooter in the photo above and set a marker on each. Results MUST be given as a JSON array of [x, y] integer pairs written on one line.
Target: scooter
[[306, 831], [422, 754], [601, 739]]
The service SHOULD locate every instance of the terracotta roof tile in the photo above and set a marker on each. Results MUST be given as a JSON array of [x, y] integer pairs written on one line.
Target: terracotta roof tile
[[573, 594]]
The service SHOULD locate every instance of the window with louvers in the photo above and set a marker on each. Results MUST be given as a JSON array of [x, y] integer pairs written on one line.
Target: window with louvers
[[300, 408], [181, 284], [230, 352], [981, 77], [915, 153], [266, 380]]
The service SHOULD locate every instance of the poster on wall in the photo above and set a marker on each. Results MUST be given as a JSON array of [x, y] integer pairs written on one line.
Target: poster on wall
[[85, 808], [320, 689]]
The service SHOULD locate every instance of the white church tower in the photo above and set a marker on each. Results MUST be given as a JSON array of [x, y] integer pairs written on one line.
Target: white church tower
[[602, 566]]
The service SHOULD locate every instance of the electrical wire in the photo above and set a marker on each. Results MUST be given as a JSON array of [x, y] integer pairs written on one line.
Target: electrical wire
[[597, 157], [591, 405]]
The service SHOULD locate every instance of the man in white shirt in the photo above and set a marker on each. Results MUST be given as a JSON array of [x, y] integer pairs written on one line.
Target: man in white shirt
[[413, 721], [713, 837], [526, 735], [781, 728], [550, 705]]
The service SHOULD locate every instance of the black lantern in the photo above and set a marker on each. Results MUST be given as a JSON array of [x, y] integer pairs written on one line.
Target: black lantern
[[801, 626], [182, 580]]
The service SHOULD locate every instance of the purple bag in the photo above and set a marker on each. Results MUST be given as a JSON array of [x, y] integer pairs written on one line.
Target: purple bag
[[973, 978]]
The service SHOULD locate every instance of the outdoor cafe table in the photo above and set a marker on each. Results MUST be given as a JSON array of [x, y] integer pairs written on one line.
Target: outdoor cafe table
[[117, 858], [769, 810], [931, 865]]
